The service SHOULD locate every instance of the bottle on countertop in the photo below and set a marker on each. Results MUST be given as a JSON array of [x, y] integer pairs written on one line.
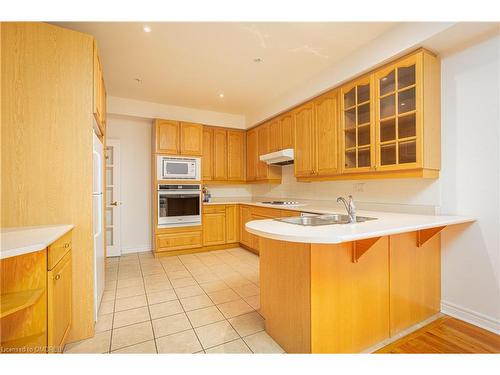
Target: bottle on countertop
[[207, 197]]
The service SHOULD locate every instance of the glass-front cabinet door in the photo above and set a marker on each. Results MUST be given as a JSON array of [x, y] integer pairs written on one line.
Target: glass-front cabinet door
[[398, 116], [357, 119]]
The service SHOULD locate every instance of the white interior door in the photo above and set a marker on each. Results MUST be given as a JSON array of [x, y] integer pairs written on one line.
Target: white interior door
[[112, 198]]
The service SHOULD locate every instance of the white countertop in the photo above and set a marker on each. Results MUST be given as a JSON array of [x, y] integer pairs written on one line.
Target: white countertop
[[23, 240], [386, 224]]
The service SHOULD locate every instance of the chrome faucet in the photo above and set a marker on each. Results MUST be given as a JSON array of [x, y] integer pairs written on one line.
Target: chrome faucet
[[350, 207]]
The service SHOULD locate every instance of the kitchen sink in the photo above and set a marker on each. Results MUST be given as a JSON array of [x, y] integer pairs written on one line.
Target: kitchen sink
[[323, 219]]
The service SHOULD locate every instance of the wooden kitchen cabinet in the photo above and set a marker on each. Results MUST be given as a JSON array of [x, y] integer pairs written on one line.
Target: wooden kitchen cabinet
[[246, 238], [407, 116], [179, 239], [232, 223], [325, 134], [304, 140], [223, 155], [275, 135], [262, 148], [287, 131], [167, 137], [214, 225], [357, 126], [191, 139], [258, 144], [235, 155], [208, 154], [99, 92], [178, 138], [252, 155], [59, 306], [220, 154]]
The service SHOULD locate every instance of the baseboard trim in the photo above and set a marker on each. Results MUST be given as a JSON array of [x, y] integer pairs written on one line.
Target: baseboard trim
[[137, 249], [472, 317]]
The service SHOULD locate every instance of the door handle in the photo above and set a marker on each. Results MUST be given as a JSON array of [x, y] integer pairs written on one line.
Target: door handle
[[115, 203]]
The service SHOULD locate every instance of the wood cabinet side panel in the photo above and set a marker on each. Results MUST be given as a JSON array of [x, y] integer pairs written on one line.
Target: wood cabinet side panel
[[285, 296], [349, 301], [47, 79], [415, 283]]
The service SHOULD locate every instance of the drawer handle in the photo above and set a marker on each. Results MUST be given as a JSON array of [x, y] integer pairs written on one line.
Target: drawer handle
[[57, 277], [66, 245]]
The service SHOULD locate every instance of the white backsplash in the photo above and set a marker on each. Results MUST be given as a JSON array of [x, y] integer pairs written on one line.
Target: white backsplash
[[419, 196]]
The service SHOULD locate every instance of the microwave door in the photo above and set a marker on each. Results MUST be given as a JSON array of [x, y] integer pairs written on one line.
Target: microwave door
[[175, 169]]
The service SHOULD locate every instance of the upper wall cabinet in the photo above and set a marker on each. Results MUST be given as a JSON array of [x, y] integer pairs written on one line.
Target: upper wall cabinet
[[316, 146], [178, 138], [287, 130], [99, 99], [258, 143], [236, 155], [407, 118], [223, 155], [357, 126], [252, 155]]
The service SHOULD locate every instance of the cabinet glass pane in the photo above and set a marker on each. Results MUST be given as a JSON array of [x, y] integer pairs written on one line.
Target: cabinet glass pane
[[109, 236], [109, 196], [350, 138], [408, 152], [350, 98], [364, 157], [350, 118], [109, 176], [350, 159], [363, 136], [109, 155], [388, 130], [109, 216], [407, 126], [406, 77], [363, 93], [364, 114], [388, 154], [387, 83], [406, 101], [387, 106]]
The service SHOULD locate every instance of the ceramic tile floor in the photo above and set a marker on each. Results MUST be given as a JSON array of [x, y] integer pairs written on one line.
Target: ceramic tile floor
[[195, 303]]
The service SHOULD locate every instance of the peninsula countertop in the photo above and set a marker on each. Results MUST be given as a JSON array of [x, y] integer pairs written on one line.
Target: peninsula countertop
[[17, 241], [386, 223]]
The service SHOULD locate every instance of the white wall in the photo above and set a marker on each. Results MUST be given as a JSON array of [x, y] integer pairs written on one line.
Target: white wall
[[135, 151], [470, 182], [142, 109]]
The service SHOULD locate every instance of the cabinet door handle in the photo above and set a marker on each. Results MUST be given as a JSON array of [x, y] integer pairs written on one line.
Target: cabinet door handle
[[66, 245], [57, 277]]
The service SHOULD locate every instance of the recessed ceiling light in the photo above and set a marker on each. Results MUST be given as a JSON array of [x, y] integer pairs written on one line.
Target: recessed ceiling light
[[147, 29], [258, 60], [221, 95]]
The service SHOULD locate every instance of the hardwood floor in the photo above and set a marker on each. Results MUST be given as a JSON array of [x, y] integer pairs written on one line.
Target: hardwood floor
[[446, 335]]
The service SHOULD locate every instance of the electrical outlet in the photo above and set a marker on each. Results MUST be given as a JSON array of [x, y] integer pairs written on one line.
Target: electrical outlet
[[359, 187]]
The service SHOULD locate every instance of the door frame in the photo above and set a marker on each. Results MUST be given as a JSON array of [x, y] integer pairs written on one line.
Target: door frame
[[115, 249]]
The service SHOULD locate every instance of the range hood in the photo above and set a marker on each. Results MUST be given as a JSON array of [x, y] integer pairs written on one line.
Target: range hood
[[282, 157]]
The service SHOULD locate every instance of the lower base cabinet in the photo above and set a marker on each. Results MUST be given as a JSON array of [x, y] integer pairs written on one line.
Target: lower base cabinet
[[179, 239], [36, 295], [59, 305]]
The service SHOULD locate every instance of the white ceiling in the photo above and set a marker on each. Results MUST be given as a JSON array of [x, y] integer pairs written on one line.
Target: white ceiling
[[189, 64]]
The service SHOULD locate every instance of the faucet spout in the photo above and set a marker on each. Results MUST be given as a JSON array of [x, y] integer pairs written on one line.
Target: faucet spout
[[350, 207]]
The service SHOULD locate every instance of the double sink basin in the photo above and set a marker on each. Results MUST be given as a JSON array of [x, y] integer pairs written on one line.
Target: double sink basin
[[315, 220]]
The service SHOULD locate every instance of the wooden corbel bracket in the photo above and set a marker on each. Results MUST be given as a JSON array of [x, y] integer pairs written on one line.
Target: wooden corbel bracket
[[362, 246], [425, 235]]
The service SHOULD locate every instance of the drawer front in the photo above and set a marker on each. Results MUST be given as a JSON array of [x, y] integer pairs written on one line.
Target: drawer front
[[178, 241], [58, 249], [266, 212], [215, 209]]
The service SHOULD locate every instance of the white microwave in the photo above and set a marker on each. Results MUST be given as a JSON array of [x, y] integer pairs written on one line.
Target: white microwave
[[178, 168]]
